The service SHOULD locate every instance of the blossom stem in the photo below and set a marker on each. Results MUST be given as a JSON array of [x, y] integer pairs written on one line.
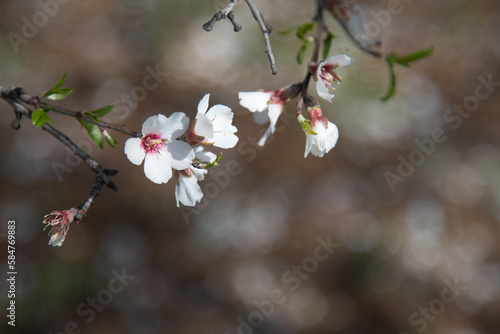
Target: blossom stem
[[317, 44]]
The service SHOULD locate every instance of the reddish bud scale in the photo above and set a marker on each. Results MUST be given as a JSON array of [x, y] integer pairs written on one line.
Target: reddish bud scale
[[316, 115]]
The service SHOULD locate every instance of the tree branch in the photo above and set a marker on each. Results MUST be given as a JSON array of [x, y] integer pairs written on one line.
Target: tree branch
[[227, 12], [266, 30]]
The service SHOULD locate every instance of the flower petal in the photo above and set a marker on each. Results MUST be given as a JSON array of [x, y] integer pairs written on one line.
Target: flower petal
[[154, 124], [203, 126], [323, 90], [221, 116], [254, 101], [309, 144], [203, 105], [179, 154], [274, 112], [157, 168], [225, 139], [175, 126], [134, 151], [187, 191], [199, 173], [204, 156], [341, 60], [263, 139]]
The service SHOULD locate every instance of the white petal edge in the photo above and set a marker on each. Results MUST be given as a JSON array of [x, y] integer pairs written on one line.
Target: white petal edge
[[203, 127], [179, 154], [157, 168], [274, 113], [341, 60], [188, 192], [134, 151], [323, 91], [254, 101], [154, 124], [203, 105], [263, 139]]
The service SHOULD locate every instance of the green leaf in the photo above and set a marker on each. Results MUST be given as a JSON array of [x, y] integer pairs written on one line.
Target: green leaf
[[39, 117], [99, 112], [302, 52], [110, 141], [214, 163], [286, 32], [327, 43], [392, 73], [94, 132], [57, 92], [304, 29], [405, 60], [307, 128]]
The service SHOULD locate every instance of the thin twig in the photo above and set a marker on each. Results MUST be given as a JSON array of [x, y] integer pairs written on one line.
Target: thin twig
[[227, 12], [265, 32], [13, 97], [94, 192], [317, 44]]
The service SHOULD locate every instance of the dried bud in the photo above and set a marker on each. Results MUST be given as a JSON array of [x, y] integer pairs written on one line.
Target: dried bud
[[60, 221]]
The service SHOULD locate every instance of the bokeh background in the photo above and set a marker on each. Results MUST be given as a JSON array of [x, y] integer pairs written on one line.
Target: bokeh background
[[398, 251]]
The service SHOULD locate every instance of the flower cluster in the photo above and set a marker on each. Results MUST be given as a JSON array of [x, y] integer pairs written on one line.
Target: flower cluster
[[321, 134], [170, 143]]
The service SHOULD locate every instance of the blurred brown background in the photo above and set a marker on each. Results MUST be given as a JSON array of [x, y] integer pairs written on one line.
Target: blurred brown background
[[400, 251]]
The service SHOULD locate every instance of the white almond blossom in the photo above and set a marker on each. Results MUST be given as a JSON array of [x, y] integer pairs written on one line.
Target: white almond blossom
[[325, 139], [158, 147], [321, 134], [215, 125], [187, 190], [266, 106], [326, 75]]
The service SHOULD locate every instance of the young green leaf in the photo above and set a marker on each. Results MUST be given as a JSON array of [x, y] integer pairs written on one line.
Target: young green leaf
[[327, 43], [405, 60], [94, 132], [57, 92], [392, 73], [286, 32], [214, 163], [39, 117], [100, 112], [303, 30], [302, 52], [307, 128], [110, 141]]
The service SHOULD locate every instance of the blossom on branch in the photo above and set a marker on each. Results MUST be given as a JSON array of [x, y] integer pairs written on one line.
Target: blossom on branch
[[321, 134], [159, 148], [59, 220], [213, 126], [325, 74], [268, 106], [187, 190]]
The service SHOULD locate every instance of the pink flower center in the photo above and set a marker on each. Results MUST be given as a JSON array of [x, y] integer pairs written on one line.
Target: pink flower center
[[152, 143], [328, 74]]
